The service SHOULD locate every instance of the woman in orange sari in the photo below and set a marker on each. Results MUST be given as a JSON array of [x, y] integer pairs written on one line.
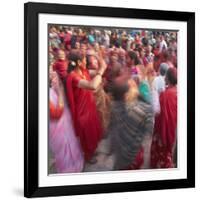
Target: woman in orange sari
[[164, 136], [80, 87]]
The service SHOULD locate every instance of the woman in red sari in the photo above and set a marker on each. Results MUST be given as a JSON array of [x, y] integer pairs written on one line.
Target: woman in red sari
[[80, 87], [164, 136], [60, 65]]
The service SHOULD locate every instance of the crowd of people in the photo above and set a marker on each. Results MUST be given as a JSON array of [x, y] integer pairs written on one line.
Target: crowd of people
[[112, 99]]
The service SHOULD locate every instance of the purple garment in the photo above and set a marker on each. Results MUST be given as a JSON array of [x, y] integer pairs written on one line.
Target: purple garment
[[63, 143]]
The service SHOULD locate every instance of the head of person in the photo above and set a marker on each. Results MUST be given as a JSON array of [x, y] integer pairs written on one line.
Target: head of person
[[77, 45], [77, 60], [122, 54], [148, 50], [80, 31], [114, 56], [124, 88], [92, 61], [157, 37], [162, 37], [61, 55], [166, 55], [141, 52], [103, 50], [83, 48], [62, 46], [171, 51], [137, 36], [163, 68], [92, 32], [173, 40], [171, 76], [145, 41], [132, 58], [96, 46], [53, 29], [62, 31], [132, 46], [115, 71]]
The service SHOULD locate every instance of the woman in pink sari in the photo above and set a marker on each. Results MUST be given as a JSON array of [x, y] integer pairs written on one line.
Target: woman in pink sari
[[63, 143]]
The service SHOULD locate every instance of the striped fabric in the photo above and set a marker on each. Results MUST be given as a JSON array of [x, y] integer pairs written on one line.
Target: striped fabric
[[129, 124]]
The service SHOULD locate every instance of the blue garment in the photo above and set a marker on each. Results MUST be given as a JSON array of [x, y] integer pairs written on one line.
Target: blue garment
[[91, 39], [145, 91]]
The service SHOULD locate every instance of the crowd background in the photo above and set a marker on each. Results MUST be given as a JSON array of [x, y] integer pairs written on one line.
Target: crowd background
[[113, 99]]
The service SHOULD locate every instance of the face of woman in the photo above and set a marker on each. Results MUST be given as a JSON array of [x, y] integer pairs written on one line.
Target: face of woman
[[137, 53], [77, 45], [82, 64], [137, 37], [142, 53], [113, 58], [128, 60], [93, 62], [61, 55], [83, 49]]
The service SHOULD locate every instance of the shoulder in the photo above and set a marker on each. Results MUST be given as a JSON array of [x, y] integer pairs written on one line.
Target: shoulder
[[74, 77], [140, 108], [145, 107], [171, 90]]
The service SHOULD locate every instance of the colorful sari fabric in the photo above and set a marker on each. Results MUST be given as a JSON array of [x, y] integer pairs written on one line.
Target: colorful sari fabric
[[103, 106], [63, 143], [164, 136], [138, 161], [84, 113]]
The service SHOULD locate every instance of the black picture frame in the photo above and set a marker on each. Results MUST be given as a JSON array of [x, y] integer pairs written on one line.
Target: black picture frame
[[31, 94]]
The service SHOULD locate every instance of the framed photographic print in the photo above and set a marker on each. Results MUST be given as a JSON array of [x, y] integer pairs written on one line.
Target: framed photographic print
[[109, 99]]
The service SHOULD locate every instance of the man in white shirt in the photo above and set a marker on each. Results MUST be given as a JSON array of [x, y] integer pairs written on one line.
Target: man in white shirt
[[163, 44], [159, 81]]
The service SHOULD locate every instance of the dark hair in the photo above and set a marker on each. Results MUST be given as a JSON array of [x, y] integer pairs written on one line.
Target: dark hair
[[140, 50], [134, 57], [115, 70], [74, 57], [118, 91], [163, 68], [145, 41], [87, 61], [137, 46], [171, 76], [166, 55]]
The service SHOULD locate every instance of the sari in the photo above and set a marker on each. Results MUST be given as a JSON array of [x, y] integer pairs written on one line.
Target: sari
[[63, 143], [164, 135], [84, 113]]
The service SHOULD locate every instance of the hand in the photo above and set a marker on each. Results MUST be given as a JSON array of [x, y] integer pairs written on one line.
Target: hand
[[103, 65]]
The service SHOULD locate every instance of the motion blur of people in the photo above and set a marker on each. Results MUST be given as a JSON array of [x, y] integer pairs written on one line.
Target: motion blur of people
[[132, 121], [119, 92]]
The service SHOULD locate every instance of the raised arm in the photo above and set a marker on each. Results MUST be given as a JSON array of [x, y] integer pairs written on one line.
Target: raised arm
[[96, 81]]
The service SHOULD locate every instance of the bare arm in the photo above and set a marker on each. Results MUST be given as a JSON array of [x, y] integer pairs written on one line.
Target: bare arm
[[91, 85], [93, 72], [96, 81]]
